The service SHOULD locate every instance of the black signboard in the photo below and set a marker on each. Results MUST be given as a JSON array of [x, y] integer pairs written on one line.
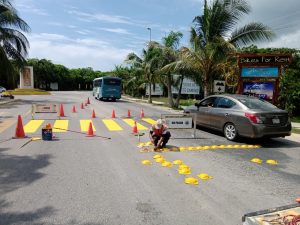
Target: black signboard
[[265, 60]]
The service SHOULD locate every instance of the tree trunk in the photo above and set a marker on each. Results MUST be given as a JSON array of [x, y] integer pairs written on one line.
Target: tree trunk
[[150, 94], [169, 86], [205, 84], [179, 92]]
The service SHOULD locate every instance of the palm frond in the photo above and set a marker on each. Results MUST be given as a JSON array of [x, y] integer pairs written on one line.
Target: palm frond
[[251, 33]]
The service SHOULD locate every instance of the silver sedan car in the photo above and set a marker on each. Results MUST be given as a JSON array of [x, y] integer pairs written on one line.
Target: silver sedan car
[[241, 115]]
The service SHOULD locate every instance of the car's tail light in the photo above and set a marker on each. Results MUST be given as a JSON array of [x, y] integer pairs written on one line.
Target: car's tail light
[[253, 118]]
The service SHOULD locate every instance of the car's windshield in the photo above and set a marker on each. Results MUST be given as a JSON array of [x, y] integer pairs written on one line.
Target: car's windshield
[[255, 103]]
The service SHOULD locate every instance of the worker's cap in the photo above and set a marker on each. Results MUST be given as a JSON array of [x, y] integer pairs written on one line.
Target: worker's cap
[[159, 123]]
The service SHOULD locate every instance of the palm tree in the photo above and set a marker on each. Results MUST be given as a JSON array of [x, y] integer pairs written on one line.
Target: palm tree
[[13, 43], [147, 64], [214, 36], [169, 55]]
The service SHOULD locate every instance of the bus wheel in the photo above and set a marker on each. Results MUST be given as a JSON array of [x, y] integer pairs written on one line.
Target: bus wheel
[[113, 99]]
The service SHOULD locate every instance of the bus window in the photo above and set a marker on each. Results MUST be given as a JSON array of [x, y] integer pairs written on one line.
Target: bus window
[[113, 82]]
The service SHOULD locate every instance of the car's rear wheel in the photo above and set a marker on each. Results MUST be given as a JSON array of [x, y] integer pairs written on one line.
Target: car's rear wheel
[[230, 131]]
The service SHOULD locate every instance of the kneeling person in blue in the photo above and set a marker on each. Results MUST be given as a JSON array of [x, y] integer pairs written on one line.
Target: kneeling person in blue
[[159, 135]]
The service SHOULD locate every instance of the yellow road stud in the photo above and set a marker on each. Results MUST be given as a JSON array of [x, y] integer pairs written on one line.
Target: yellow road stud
[[160, 160], [204, 176], [229, 146], [191, 180], [177, 162], [184, 171], [272, 162], [206, 147], [167, 164], [157, 156], [146, 162], [182, 148], [184, 166], [221, 146], [256, 160]]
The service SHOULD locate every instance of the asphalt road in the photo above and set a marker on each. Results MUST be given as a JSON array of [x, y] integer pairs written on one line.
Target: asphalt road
[[76, 179]]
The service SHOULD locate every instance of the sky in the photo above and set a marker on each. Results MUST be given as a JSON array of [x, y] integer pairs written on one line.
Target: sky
[[100, 33]]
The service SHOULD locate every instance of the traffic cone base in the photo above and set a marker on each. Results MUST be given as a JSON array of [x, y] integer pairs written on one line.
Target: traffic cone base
[[90, 132], [19, 129]]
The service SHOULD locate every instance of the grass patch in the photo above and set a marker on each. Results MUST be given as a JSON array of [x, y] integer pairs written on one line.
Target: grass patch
[[295, 131], [295, 119], [25, 91]]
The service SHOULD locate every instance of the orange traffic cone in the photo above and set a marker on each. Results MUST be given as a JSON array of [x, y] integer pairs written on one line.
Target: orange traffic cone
[[73, 109], [19, 129], [88, 101], [81, 106], [93, 114], [113, 115], [128, 113], [142, 113], [90, 132], [61, 111], [134, 128]]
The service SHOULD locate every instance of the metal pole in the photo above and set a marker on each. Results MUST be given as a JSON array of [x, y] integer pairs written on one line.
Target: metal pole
[[150, 32]]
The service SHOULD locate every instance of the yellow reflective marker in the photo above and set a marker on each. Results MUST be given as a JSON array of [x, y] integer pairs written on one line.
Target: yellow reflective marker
[[84, 125], [32, 126], [184, 171], [177, 162], [167, 164], [160, 160], [149, 120], [157, 156], [272, 162], [204, 176], [130, 122], [191, 180], [62, 125], [256, 160], [184, 166], [146, 162], [111, 125]]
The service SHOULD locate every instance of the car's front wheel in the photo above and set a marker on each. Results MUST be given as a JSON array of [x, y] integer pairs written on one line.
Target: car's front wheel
[[230, 131]]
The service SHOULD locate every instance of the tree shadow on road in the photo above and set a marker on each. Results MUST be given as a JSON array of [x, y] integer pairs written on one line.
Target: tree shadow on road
[[17, 172]]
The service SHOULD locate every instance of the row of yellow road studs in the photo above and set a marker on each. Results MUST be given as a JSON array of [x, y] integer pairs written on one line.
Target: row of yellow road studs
[[145, 148], [183, 169]]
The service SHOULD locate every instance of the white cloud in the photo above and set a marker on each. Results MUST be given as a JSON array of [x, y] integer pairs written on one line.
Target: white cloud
[[29, 7], [101, 17], [116, 30], [77, 53], [290, 40]]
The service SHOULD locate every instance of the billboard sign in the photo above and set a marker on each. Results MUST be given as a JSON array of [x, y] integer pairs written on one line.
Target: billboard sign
[[260, 72], [262, 90], [188, 87], [158, 90]]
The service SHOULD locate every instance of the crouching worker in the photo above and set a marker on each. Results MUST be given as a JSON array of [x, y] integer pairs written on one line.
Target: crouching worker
[[159, 135]]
